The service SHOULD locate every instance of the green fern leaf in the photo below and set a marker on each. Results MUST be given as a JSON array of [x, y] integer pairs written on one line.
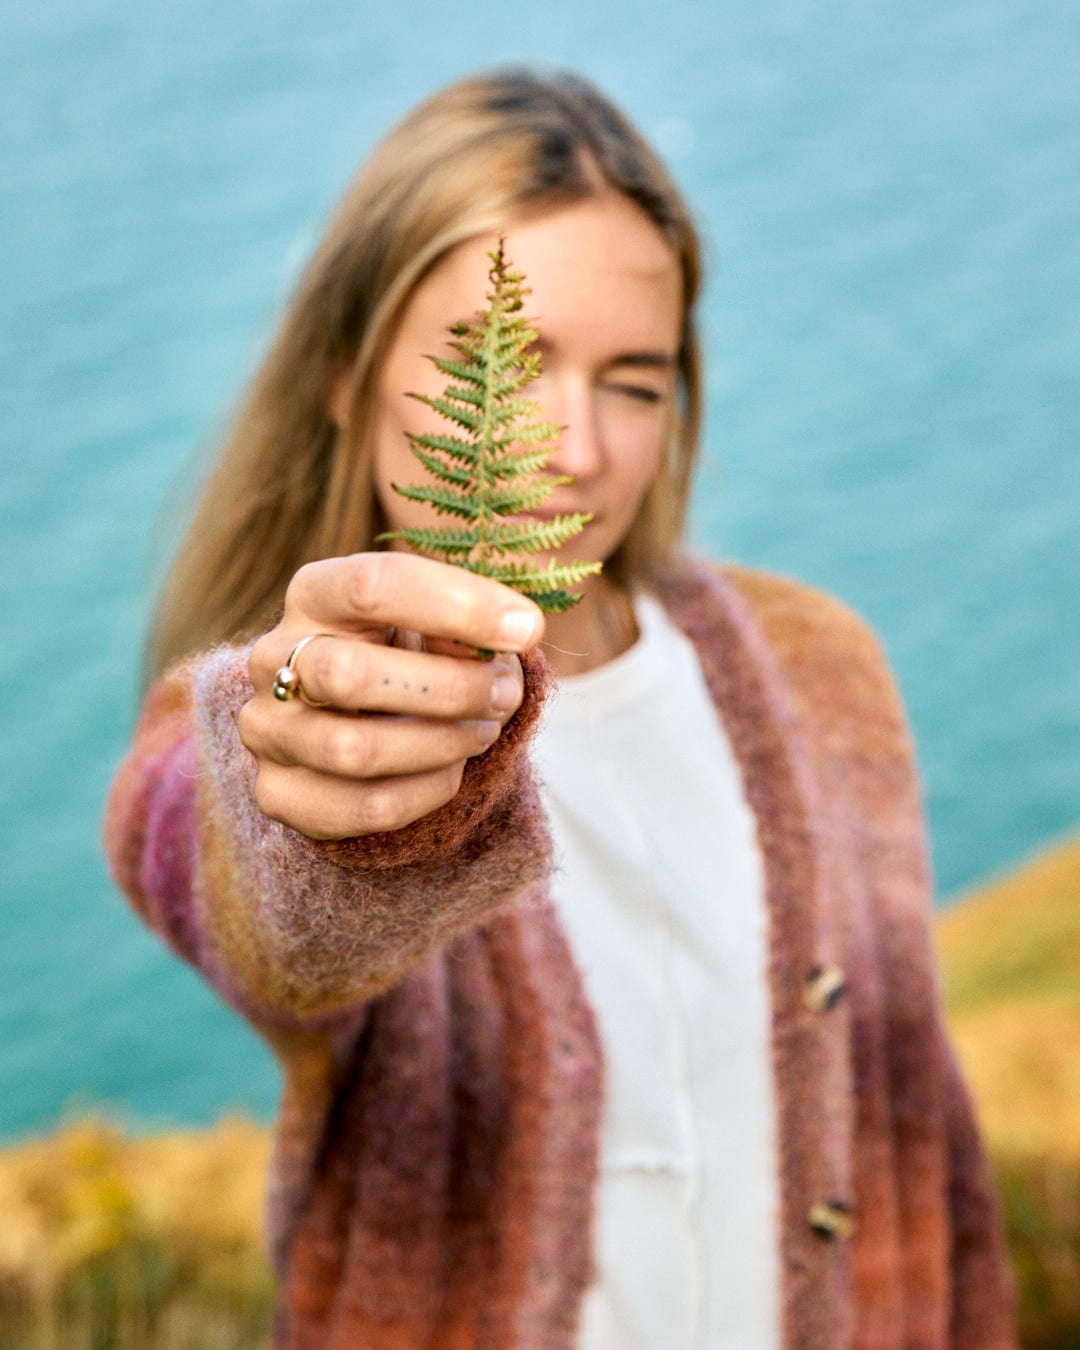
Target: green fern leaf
[[514, 465], [463, 393], [510, 410], [461, 450], [464, 417], [439, 541], [538, 536], [449, 473], [532, 434], [512, 500], [468, 371], [553, 602], [444, 501], [493, 470], [555, 576]]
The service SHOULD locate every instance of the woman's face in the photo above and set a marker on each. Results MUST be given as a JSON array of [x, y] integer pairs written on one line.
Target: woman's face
[[606, 296]]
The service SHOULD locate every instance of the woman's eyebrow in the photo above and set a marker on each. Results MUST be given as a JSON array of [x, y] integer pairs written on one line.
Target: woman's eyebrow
[[663, 360], [648, 359], [658, 360]]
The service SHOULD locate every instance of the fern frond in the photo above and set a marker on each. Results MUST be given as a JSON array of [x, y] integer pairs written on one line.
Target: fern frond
[[493, 469]]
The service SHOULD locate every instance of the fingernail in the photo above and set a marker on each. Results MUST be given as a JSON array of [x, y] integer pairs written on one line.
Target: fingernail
[[505, 692], [518, 627], [488, 731]]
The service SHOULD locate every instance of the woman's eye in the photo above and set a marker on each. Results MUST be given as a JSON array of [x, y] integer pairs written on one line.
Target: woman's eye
[[637, 391]]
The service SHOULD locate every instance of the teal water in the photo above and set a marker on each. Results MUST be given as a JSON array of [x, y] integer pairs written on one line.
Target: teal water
[[891, 200]]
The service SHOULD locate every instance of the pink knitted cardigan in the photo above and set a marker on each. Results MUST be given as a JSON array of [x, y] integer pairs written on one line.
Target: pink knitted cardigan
[[436, 1149]]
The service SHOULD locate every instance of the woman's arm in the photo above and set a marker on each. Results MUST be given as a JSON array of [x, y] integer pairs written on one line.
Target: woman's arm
[[292, 928]]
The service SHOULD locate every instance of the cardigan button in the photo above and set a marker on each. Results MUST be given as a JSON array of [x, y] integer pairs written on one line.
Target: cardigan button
[[831, 1219], [824, 988]]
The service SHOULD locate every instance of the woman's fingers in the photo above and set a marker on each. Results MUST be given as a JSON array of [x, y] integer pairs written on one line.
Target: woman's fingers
[[365, 748], [356, 675], [367, 591], [323, 807], [384, 725]]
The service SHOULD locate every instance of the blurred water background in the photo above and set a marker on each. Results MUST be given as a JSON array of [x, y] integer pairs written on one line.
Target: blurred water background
[[891, 199]]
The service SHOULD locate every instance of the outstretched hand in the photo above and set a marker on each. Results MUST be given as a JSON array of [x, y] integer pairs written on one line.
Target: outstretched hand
[[407, 699]]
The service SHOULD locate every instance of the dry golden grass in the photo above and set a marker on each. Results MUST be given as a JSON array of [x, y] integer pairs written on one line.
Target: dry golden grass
[[117, 1243], [109, 1242], [1011, 961], [1022, 1063], [1017, 937]]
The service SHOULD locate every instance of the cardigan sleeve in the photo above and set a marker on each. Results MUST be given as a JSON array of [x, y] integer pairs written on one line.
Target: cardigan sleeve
[[289, 930]]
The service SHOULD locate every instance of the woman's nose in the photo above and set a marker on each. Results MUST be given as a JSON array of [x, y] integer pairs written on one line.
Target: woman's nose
[[580, 448]]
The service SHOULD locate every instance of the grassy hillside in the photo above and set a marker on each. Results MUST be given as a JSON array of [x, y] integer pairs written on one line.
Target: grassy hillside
[[1010, 957], [109, 1242], [1011, 962], [1016, 938], [114, 1243]]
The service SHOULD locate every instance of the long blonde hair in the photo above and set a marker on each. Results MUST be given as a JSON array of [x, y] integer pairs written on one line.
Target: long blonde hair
[[288, 485]]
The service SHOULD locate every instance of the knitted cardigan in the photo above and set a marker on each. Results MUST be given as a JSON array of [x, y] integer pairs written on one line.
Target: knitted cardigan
[[435, 1155]]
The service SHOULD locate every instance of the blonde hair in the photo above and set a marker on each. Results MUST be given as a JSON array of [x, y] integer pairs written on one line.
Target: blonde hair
[[288, 485]]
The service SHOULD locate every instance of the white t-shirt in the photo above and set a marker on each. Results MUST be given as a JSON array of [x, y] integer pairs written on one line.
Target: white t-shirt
[[659, 883]]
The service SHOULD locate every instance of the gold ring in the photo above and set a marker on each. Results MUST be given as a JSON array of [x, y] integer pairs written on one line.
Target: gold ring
[[287, 678]]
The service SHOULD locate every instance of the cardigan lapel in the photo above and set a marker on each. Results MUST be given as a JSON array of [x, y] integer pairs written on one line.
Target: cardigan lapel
[[811, 1070]]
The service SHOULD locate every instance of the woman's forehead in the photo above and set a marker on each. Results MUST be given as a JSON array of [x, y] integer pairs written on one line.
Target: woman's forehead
[[601, 256]]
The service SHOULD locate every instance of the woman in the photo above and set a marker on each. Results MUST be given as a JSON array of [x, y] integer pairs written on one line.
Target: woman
[[690, 1089]]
